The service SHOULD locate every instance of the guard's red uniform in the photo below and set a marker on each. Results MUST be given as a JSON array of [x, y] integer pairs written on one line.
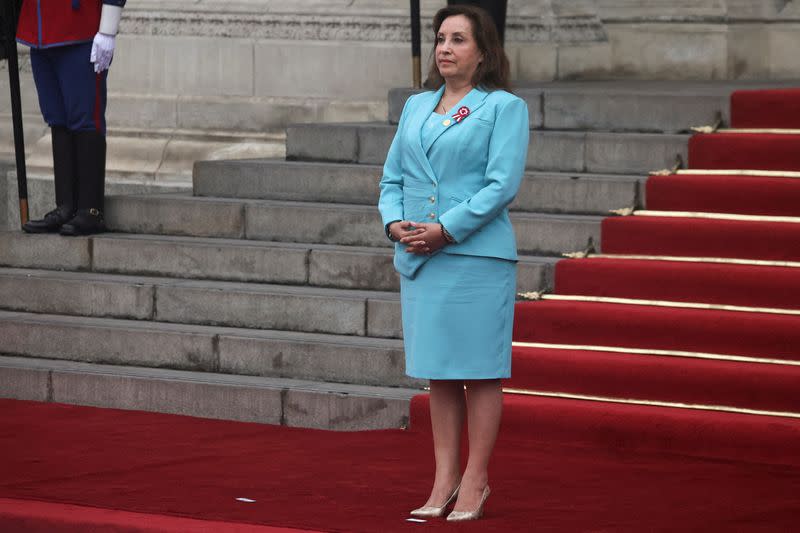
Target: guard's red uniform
[[47, 23]]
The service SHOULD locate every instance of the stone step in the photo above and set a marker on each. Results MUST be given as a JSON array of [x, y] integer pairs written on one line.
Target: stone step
[[560, 151], [165, 155], [341, 224], [343, 267], [543, 192], [41, 194], [146, 152], [653, 107], [266, 353], [244, 305], [288, 402]]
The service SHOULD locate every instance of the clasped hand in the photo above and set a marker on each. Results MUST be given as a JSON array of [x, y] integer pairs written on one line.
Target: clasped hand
[[422, 238]]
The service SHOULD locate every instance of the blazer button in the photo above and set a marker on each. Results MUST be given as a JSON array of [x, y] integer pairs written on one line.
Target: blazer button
[[432, 215], [432, 199]]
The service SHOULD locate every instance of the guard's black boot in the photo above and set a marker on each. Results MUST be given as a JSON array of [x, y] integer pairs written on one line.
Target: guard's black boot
[[85, 222], [52, 221], [90, 165], [64, 177]]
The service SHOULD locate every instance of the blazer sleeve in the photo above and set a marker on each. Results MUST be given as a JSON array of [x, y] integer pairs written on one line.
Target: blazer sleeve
[[508, 150], [390, 203]]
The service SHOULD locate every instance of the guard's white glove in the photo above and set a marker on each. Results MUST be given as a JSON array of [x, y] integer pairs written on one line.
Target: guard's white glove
[[105, 40], [102, 51]]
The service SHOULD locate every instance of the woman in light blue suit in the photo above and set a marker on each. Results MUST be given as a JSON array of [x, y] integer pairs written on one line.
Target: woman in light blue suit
[[452, 170]]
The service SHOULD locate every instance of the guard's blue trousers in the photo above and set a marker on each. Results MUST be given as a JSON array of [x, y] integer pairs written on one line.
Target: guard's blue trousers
[[71, 94]]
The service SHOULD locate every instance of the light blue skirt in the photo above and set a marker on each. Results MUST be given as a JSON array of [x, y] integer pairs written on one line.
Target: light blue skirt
[[458, 316]]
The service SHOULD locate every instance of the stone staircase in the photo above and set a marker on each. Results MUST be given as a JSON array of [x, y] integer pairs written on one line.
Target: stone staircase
[[268, 295], [153, 140]]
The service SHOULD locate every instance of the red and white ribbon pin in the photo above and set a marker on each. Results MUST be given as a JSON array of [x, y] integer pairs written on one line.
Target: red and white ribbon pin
[[461, 114]]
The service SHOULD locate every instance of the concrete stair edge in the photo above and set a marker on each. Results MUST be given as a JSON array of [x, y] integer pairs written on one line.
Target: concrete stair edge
[[541, 192], [246, 305], [235, 260], [559, 150], [286, 402], [345, 224], [266, 353], [650, 106]]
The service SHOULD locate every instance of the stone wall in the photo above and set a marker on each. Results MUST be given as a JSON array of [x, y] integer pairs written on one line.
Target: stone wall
[[265, 55], [256, 65], [694, 39], [320, 49]]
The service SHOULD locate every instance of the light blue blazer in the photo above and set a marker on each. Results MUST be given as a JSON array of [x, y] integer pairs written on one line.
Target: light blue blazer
[[464, 178]]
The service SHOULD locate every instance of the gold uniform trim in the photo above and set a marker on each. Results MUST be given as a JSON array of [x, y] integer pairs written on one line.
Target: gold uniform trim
[[652, 403], [658, 353]]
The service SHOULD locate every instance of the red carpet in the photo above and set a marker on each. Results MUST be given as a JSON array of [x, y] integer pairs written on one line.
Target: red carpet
[[644, 429], [744, 285], [759, 151], [682, 380], [773, 108], [657, 378], [695, 237], [661, 328], [557, 463], [749, 195], [32, 516]]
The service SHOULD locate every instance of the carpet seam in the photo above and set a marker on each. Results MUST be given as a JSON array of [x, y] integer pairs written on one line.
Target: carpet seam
[[670, 304], [658, 353]]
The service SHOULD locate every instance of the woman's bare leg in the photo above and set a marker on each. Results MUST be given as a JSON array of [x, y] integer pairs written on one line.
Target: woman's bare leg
[[484, 409], [447, 421]]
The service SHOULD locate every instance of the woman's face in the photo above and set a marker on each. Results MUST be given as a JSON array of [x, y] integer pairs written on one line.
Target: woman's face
[[457, 52]]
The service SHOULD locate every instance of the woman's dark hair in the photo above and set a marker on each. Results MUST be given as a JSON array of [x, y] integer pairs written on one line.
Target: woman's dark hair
[[493, 72]]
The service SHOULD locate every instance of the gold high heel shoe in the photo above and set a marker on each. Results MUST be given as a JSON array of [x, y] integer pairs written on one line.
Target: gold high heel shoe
[[460, 516], [430, 511]]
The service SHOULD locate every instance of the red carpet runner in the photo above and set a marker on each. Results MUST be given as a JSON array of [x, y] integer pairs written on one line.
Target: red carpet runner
[[749, 195], [774, 108], [651, 347], [42, 517], [695, 237], [759, 151], [565, 465], [658, 378], [662, 328], [743, 285]]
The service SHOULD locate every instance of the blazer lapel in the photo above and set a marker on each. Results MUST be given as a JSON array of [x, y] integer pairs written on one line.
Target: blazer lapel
[[415, 130], [472, 101]]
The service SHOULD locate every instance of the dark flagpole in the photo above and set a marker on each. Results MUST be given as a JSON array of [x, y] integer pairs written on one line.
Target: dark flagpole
[[9, 30], [416, 46]]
